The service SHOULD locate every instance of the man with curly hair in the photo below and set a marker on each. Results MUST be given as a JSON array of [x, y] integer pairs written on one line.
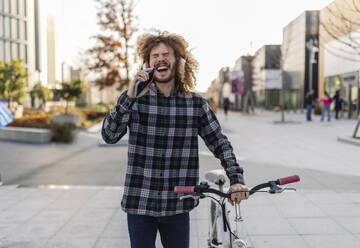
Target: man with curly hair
[[164, 122]]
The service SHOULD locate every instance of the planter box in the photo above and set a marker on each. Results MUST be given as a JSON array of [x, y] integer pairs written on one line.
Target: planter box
[[26, 134], [61, 119]]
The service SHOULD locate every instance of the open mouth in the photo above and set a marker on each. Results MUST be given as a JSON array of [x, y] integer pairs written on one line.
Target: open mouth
[[162, 68]]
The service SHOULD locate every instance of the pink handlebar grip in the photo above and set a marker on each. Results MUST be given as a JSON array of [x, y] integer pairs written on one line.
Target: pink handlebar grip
[[184, 189], [287, 180]]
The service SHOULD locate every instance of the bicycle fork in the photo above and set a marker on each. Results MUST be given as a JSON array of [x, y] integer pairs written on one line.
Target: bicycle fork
[[239, 242]]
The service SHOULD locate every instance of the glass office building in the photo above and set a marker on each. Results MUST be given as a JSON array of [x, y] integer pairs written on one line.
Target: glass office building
[[300, 63], [19, 32], [267, 76]]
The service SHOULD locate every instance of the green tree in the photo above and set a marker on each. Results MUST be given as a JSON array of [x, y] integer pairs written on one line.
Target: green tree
[[70, 91], [13, 80], [41, 92]]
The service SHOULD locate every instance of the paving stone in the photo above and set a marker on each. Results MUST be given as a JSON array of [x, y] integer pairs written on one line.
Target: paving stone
[[306, 210], [332, 241], [113, 243], [81, 230], [352, 224], [72, 243], [16, 216], [305, 226], [279, 241], [268, 226], [35, 230], [22, 243]]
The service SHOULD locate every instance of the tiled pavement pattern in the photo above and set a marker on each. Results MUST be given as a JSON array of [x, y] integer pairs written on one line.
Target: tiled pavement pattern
[[323, 212]]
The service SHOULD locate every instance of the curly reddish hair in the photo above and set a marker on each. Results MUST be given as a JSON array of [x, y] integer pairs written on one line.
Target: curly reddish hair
[[184, 75]]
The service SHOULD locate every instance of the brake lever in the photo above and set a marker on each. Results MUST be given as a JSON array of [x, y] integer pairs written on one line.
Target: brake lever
[[274, 189]]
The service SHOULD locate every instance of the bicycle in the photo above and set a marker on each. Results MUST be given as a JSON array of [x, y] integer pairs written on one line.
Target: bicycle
[[220, 234]]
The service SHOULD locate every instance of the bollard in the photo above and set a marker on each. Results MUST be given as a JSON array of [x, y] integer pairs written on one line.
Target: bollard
[[0, 180]]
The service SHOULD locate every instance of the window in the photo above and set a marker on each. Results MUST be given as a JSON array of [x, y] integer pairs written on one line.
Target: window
[[24, 7], [14, 50], [23, 53], [2, 50], [21, 30], [6, 6], [13, 5], [17, 29], [1, 26], [6, 27], [21, 7], [7, 51], [25, 30], [13, 29], [26, 55]]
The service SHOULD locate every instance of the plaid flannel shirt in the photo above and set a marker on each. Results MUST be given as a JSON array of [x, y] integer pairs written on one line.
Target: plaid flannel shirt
[[163, 149]]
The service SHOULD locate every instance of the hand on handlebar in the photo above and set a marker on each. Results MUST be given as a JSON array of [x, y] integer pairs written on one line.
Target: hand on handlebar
[[237, 197]]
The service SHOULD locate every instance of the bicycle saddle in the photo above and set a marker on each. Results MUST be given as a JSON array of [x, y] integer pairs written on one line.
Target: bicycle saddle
[[216, 176]]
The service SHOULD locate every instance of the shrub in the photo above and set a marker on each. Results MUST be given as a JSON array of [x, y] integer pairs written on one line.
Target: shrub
[[93, 115], [63, 132]]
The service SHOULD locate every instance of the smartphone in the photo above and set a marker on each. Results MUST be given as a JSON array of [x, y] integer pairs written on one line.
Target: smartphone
[[140, 86]]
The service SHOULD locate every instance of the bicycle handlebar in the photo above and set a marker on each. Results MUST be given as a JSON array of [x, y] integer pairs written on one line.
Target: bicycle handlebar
[[184, 189], [286, 180], [205, 188]]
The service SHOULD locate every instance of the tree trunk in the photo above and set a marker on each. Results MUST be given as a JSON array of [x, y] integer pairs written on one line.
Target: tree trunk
[[66, 108], [282, 95]]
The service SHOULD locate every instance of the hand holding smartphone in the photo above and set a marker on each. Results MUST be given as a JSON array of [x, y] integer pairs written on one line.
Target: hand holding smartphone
[[140, 86]]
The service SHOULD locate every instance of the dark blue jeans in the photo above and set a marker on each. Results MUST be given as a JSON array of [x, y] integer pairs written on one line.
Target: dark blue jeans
[[308, 112], [174, 230]]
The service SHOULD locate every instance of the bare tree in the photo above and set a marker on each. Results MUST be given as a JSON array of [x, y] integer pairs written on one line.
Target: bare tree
[[342, 23], [109, 58]]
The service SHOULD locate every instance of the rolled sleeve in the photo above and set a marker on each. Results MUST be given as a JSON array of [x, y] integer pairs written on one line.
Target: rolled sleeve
[[115, 123]]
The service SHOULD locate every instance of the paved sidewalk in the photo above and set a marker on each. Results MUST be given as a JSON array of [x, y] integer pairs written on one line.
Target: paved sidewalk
[[91, 217], [323, 212], [70, 216]]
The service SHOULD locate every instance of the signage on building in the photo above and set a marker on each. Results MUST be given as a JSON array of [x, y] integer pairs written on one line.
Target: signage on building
[[237, 82], [5, 115], [273, 79], [349, 78]]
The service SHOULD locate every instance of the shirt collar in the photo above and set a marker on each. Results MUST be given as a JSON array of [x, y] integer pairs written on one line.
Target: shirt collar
[[155, 91]]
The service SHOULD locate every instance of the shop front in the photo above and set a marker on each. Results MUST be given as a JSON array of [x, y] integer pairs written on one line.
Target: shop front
[[348, 85]]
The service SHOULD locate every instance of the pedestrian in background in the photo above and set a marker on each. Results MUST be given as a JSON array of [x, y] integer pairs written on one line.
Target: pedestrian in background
[[326, 100], [226, 105], [309, 101], [338, 103]]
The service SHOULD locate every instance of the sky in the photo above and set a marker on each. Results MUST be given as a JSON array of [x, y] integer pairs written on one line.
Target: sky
[[218, 31]]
